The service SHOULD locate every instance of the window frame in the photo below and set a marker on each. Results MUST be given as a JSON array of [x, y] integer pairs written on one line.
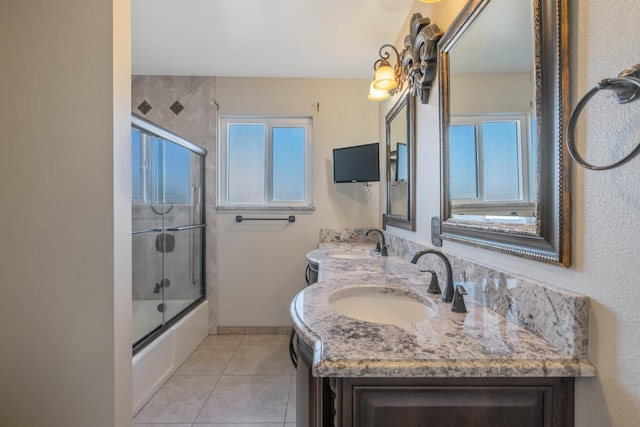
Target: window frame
[[269, 122], [525, 157]]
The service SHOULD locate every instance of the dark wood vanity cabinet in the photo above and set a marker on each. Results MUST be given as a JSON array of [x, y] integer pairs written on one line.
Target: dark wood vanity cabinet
[[314, 398], [431, 402], [444, 402]]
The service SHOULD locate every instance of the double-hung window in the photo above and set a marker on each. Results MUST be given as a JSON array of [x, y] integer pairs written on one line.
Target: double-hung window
[[265, 162], [490, 159]]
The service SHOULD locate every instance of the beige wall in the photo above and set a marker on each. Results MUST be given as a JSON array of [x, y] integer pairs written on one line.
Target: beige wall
[[488, 93], [65, 257], [261, 265], [605, 39]]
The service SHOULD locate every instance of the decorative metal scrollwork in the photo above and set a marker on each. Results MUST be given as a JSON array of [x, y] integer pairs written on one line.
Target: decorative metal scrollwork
[[420, 55]]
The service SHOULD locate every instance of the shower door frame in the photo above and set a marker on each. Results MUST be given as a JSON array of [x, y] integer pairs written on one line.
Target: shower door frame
[[149, 127]]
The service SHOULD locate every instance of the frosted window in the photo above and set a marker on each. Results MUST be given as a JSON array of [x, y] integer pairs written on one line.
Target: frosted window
[[288, 164], [501, 160], [265, 161], [463, 162], [246, 164]]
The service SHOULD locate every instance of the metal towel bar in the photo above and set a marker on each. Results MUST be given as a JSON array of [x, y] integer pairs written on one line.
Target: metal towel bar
[[291, 218], [626, 88]]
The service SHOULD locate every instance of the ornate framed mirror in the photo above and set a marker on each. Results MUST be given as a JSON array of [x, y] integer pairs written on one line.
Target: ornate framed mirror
[[504, 97], [399, 130]]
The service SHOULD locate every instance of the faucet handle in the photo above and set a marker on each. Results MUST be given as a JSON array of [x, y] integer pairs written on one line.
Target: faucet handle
[[434, 286], [458, 305]]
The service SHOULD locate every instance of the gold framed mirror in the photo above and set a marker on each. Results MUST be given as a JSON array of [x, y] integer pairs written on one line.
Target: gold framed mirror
[[399, 130], [504, 99]]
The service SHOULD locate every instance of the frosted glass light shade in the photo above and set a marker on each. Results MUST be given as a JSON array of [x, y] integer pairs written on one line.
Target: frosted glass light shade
[[430, 1], [385, 78], [377, 95]]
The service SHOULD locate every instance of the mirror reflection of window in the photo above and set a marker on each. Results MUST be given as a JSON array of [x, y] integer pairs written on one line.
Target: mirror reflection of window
[[402, 170], [463, 162], [501, 161], [489, 159], [492, 140], [504, 177]]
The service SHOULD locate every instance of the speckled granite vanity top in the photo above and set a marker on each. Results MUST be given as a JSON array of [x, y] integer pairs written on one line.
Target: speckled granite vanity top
[[479, 343]]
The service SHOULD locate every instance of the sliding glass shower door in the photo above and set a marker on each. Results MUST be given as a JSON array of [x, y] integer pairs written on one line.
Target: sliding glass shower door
[[168, 228]]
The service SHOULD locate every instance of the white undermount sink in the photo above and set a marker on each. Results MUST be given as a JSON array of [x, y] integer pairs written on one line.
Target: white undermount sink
[[379, 304]]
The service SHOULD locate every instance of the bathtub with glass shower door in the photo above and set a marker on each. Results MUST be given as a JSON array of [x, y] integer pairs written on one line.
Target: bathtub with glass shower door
[[168, 232]]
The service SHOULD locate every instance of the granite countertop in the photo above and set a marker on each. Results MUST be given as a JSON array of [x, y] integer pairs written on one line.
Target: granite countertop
[[479, 343]]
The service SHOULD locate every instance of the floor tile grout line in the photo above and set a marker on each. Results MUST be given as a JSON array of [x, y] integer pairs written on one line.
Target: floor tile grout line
[[205, 401], [286, 408], [237, 346], [230, 359], [214, 386]]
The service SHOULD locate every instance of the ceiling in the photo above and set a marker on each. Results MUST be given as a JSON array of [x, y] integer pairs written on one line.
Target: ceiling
[[263, 38]]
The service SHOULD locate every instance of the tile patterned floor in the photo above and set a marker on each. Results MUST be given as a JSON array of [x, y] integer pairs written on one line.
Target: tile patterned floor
[[228, 381]]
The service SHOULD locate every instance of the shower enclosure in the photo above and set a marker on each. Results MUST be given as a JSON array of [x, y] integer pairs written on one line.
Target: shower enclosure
[[168, 229]]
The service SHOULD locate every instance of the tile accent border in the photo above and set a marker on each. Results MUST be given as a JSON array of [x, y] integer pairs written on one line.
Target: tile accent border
[[144, 107], [176, 107]]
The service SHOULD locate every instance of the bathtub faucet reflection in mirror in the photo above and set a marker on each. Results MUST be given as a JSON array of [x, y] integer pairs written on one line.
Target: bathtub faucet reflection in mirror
[[447, 295], [382, 248]]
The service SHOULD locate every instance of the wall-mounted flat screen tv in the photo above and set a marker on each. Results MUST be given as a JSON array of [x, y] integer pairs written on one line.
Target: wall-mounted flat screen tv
[[360, 163]]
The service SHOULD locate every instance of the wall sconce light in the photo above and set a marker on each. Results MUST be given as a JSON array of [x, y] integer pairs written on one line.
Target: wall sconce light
[[430, 1], [416, 65], [377, 95], [387, 79]]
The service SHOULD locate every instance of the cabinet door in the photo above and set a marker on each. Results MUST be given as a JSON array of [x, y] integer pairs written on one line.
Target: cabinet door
[[461, 402]]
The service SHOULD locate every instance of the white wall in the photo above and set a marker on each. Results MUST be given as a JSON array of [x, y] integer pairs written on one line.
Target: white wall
[[605, 39], [65, 257], [261, 265]]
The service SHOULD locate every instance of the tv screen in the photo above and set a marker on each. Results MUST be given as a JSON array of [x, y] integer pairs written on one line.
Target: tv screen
[[402, 172], [360, 163]]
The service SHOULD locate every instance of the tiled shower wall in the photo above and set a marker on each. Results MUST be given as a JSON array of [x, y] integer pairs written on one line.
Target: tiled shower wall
[[178, 266], [186, 106]]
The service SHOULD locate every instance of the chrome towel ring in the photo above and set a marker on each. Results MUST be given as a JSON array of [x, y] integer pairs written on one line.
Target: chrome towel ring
[[626, 88]]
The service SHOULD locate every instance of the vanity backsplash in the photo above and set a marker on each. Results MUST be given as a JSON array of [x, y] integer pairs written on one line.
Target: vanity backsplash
[[558, 316]]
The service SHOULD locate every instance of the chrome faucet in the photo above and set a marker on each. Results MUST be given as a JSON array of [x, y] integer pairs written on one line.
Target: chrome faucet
[[379, 248], [447, 295]]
